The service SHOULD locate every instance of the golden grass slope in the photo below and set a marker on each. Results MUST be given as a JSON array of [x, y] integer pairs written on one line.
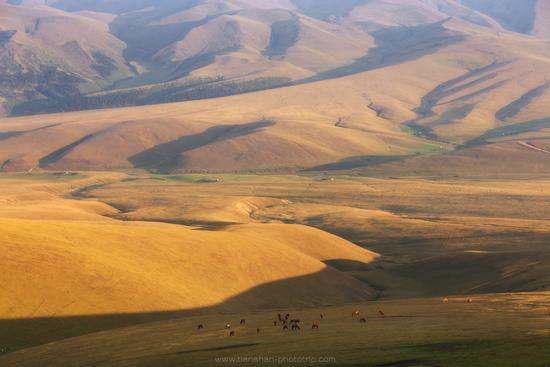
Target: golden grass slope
[[37, 197], [65, 268], [88, 264]]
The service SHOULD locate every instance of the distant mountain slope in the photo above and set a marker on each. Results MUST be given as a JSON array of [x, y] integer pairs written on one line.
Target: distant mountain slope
[[420, 90], [518, 16], [284, 129], [46, 53], [376, 80], [146, 52]]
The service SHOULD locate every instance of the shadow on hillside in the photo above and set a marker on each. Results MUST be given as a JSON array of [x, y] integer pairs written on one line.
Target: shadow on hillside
[[357, 162], [326, 287], [197, 225], [394, 46], [9, 134], [507, 131], [165, 158]]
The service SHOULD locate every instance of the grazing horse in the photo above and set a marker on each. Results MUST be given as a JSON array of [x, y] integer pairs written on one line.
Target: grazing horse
[[228, 326], [355, 313], [363, 320], [231, 333], [243, 321], [201, 326], [314, 326], [381, 313]]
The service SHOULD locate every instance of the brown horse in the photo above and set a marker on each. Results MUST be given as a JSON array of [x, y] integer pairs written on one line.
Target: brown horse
[[314, 326], [363, 320], [355, 313], [232, 333], [243, 321], [201, 326]]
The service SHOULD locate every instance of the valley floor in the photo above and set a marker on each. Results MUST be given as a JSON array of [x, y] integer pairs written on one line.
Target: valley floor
[[118, 269]]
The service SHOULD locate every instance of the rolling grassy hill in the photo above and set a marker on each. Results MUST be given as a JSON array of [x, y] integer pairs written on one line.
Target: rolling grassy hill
[[75, 260], [67, 245], [206, 248]]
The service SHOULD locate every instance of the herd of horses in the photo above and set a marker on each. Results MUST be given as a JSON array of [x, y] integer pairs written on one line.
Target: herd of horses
[[291, 324], [296, 324]]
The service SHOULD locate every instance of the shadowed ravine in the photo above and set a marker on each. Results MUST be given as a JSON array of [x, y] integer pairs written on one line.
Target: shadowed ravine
[[395, 46]]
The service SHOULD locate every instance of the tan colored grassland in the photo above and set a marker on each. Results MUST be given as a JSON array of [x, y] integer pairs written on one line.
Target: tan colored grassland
[[78, 245], [62, 256]]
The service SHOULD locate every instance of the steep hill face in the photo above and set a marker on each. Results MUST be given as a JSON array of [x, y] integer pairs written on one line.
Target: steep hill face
[[49, 54]]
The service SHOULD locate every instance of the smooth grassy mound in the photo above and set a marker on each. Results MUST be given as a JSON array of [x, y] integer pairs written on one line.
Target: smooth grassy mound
[[72, 268]]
